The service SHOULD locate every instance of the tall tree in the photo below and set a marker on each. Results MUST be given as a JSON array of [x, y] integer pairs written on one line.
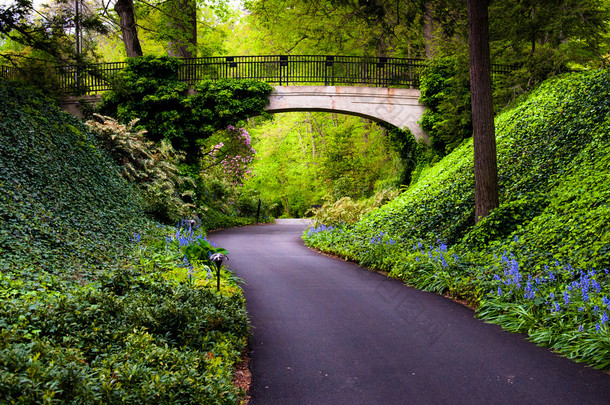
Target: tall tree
[[125, 11], [49, 30], [485, 160], [182, 23]]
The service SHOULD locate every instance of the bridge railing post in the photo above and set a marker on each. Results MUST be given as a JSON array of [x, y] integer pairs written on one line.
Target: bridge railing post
[[283, 64], [329, 63]]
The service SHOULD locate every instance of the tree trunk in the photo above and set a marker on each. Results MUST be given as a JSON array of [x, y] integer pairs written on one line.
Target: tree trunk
[[183, 21], [485, 161], [429, 34], [126, 13]]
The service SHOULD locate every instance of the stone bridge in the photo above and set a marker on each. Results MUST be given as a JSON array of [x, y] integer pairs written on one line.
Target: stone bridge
[[398, 107], [383, 89]]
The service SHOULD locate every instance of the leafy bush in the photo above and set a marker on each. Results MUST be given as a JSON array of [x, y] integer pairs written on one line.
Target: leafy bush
[[149, 90], [228, 155], [344, 210], [347, 211], [533, 265]]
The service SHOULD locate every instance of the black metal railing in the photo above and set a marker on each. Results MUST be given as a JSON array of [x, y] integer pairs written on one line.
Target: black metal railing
[[7, 72], [276, 69], [88, 79], [280, 70], [321, 70]]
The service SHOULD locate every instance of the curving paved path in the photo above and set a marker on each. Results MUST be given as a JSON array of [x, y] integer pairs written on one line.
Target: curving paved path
[[328, 332]]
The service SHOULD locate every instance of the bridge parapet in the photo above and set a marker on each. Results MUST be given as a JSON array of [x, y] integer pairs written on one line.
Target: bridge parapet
[[326, 70]]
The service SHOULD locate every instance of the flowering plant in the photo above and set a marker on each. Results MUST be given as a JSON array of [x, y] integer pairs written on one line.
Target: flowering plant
[[229, 154]]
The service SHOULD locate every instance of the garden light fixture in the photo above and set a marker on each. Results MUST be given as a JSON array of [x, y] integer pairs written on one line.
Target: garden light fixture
[[218, 258]]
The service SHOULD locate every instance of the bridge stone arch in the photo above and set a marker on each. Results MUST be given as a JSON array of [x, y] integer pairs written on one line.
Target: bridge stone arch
[[398, 107]]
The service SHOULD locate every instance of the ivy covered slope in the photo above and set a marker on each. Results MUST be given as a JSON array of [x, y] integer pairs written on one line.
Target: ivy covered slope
[[98, 304], [538, 264], [62, 203]]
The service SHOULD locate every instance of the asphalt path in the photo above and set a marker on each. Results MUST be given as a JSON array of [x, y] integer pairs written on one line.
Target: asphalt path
[[328, 332]]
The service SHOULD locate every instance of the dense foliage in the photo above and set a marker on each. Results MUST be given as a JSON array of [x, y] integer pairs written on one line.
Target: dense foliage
[[153, 333], [305, 159], [154, 168], [202, 126], [62, 204], [538, 263], [445, 91], [98, 304], [348, 211], [149, 90]]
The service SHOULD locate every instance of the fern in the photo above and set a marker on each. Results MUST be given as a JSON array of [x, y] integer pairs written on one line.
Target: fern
[[153, 167]]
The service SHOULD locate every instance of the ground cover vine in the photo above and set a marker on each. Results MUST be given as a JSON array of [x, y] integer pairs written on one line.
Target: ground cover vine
[[154, 332], [99, 304], [539, 263]]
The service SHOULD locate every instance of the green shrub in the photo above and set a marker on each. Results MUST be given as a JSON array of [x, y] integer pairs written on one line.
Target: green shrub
[[153, 167], [149, 90], [347, 211], [404, 143]]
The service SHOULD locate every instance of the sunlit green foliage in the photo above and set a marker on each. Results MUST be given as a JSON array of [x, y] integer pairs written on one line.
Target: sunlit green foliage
[[304, 159], [548, 34], [548, 237], [160, 23], [330, 27]]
